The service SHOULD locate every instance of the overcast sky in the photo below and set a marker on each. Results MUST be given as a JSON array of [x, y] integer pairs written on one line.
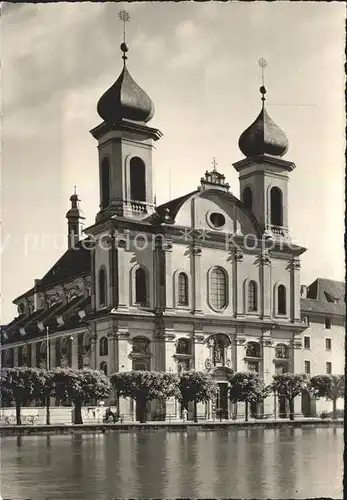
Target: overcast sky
[[198, 63]]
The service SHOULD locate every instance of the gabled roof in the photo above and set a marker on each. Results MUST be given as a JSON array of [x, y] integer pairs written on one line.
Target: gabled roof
[[74, 262], [326, 297]]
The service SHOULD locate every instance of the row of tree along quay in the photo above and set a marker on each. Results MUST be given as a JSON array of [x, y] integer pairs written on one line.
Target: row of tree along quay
[[22, 386]]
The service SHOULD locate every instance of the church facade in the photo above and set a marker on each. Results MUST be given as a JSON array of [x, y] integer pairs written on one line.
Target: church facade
[[205, 281]]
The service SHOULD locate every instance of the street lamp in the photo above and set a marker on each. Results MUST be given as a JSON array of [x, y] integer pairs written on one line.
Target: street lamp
[[48, 366], [48, 362]]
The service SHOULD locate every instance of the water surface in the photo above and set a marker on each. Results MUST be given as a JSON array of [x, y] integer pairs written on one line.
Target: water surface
[[249, 463]]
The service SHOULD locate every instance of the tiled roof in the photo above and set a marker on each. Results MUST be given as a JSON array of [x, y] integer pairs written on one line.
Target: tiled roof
[[74, 262], [325, 296]]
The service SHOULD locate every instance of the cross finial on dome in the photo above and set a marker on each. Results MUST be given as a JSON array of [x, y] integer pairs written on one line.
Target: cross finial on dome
[[262, 63], [125, 17], [214, 163]]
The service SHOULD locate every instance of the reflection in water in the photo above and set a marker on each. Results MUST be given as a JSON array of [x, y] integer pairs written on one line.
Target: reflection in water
[[251, 463]]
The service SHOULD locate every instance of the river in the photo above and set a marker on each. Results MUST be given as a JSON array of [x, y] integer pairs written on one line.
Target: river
[[235, 463]]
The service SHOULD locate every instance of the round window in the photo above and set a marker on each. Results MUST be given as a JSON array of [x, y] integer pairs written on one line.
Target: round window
[[217, 220]]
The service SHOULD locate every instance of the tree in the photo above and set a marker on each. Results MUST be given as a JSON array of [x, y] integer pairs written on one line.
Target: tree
[[21, 385], [144, 386], [289, 385], [247, 387], [80, 386], [198, 387], [328, 386]]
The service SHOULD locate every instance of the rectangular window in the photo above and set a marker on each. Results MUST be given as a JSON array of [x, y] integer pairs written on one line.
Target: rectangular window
[[328, 344], [307, 367], [307, 343], [307, 320], [328, 368], [328, 323]]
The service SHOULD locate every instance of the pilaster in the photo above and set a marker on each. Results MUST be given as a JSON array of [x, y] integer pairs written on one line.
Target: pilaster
[[199, 347], [168, 301], [265, 283], [124, 349], [196, 273], [237, 289], [74, 351], [112, 352], [123, 274], [240, 343], [92, 280], [268, 369], [33, 354], [295, 313], [113, 271], [15, 356]]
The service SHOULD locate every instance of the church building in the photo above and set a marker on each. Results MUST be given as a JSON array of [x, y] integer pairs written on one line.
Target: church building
[[205, 281]]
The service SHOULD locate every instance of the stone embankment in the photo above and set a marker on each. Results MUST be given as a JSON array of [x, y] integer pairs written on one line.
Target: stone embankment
[[22, 430]]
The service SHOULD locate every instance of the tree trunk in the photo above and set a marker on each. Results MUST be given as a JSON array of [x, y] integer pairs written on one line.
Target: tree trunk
[[141, 404], [19, 422], [78, 413], [246, 411], [334, 408], [195, 411], [291, 409], [48, 402]]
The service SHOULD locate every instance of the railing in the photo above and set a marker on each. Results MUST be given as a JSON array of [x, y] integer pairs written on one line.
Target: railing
[[138, 207], [278, 230]]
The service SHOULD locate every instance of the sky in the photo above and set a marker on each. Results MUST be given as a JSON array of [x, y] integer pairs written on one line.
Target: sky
[[199, 64]]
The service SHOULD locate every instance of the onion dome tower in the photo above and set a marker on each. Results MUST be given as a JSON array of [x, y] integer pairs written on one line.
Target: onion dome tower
[[125, 99], [75, 218], [263, 137], [263, 174], [125, 145]]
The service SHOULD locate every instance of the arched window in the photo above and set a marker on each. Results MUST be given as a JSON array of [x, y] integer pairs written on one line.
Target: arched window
[[281, 298], [252, 296], [140, 345], [218, 288], [102, 287], [253, 349], [105, 183], [140, 287], [87, 343], [183, 346], [9, 358], [103, 346], [247, 198], [137, 179], [182, 289], [23, 356], [276, 199], [103, 367], [64, 347]]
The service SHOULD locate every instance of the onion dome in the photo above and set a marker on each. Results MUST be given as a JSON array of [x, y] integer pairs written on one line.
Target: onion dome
[[263, 136], [125, 99], [75, 210]]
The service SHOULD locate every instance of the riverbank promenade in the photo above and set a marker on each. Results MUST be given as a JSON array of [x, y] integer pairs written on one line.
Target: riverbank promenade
[[208, 425]]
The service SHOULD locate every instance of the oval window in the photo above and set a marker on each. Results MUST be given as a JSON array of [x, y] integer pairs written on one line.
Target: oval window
[[217, 220]]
